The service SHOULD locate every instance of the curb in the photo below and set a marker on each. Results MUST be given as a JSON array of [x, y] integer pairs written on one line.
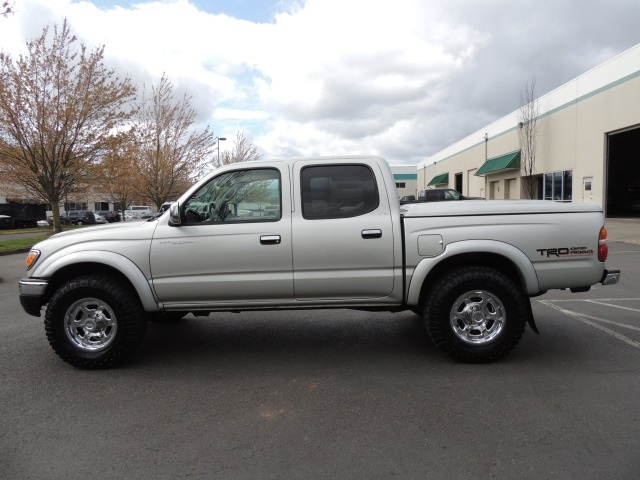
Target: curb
[[12, 252]]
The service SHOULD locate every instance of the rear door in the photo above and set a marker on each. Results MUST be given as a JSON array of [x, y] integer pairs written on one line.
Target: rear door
[[342, 229]]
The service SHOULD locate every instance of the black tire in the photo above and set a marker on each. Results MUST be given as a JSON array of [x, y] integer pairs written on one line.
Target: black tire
[[166, 317], [476, 314], [109, 322]]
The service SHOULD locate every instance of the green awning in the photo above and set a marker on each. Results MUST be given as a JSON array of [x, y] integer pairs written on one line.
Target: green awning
[[439, 179], [510, 161]]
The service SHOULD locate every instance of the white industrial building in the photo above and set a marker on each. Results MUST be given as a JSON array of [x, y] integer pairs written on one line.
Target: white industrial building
[[406, 179], [588, 146]]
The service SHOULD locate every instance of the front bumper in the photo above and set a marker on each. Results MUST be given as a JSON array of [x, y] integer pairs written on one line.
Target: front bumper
[[611, 276], [31, 295]]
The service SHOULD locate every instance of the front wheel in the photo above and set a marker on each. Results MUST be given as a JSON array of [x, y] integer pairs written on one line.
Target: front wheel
[[476, 314], [94, 321]]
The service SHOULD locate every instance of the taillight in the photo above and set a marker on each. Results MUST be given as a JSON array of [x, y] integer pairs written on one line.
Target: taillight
[[603, 249]]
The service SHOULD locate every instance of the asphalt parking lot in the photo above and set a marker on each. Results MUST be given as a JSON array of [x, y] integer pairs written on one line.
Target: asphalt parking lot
[[331, 394]]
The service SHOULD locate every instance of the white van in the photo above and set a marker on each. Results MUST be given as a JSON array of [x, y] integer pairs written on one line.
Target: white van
[[137, 210]]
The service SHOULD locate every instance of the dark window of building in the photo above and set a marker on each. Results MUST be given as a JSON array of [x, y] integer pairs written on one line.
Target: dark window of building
[[558, 186]]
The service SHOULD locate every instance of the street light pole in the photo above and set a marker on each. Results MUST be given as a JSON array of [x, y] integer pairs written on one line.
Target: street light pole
[[218, 140]]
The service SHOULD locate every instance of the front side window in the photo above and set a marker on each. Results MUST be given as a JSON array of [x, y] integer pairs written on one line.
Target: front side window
[[338, 191], [238, 196]]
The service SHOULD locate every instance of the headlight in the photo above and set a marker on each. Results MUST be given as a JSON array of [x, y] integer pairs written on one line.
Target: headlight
[[32, 258]]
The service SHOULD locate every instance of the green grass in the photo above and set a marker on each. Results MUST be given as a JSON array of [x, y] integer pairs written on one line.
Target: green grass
[[24, 244], [24, 230], [21, 244]]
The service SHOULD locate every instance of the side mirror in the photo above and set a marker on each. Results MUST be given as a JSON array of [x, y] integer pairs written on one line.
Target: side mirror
[[174, 214]]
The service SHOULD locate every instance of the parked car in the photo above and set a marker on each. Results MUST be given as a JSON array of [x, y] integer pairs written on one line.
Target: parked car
[[408, 199], [78, 217], [100, 219], [164, 207], [137, 210], [6, 222], [109, 215], [25, 223], [43, 223], [272, 210], [442, 194]]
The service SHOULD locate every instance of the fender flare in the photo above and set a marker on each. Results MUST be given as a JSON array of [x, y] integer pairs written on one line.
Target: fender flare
[[516, 256], [111, 259]]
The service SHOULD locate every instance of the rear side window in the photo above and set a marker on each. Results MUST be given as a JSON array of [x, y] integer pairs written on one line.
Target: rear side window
[[338, 191]]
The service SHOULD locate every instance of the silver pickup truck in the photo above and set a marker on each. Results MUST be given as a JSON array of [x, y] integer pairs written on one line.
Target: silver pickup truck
[[314, 233]]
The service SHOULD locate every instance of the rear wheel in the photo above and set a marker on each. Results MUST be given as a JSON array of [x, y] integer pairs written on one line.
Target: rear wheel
[[94, 321], [476, 314]]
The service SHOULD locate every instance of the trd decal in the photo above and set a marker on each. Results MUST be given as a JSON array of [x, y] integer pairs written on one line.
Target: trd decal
[[565, 252]]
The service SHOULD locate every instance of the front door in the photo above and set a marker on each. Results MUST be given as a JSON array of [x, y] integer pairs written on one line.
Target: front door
[[233, 245]]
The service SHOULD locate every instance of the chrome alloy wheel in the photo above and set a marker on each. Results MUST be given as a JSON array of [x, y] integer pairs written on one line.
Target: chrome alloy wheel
[[90, 324], [477, 317]]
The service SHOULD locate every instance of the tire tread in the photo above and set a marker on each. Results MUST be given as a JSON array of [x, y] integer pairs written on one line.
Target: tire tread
[[436, 314], [131, 321]]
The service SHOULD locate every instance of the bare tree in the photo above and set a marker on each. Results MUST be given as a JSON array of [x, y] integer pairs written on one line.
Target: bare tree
[[171, 153], [242, 151], [528, 129], [115, 175], [58, 107]]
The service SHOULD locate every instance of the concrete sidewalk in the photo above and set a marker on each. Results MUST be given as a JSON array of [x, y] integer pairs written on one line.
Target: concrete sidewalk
[[623, 230]]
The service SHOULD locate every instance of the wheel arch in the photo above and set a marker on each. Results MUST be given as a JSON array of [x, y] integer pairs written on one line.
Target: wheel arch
[[110, 263], [500, 256]]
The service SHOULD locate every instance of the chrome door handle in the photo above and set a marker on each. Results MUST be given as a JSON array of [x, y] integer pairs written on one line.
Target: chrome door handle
[[270, 239], [375, 233]]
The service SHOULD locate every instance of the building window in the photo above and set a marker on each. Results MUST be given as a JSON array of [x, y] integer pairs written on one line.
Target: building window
[[400, 184], [558, 186], [101, 206], [75, 206]]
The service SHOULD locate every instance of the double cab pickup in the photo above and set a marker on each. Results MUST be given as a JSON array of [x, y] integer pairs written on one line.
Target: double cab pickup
[[307, 234]]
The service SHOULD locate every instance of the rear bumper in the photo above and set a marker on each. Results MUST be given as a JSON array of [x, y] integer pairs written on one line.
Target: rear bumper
[[611, 276]]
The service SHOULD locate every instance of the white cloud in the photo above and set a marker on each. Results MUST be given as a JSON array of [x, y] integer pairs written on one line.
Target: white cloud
[[399, 78]]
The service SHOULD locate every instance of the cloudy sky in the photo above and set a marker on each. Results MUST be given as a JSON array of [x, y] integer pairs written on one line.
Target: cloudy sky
[[397, 78]]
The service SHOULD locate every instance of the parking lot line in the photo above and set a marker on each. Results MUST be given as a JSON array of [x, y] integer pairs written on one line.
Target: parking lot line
[[593, 300], [613, 305], [603, 320], [587, 319]]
